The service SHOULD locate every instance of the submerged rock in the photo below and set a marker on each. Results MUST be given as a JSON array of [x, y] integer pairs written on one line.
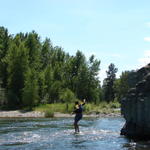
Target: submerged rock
[[135, 107]]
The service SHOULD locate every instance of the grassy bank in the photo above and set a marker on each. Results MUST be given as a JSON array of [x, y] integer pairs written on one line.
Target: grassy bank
[[89, 108]]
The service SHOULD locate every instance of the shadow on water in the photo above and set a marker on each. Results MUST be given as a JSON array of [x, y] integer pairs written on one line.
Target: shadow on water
[[56, 134]]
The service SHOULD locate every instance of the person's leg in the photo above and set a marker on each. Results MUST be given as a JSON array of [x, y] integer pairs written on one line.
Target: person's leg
[[80, 117], [78, 128], [77, 119], [75, 126], [75, 122]]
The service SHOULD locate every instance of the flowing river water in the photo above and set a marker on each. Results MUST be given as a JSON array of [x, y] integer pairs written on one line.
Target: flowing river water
[[58, 134]]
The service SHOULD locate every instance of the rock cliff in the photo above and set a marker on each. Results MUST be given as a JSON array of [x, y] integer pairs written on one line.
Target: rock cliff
[[135, 107]]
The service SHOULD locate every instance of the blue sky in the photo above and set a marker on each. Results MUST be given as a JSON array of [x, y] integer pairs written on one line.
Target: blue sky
[[115, 31]]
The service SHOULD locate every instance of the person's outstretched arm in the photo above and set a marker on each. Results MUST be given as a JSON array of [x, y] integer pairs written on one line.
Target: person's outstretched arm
[[83, 102]]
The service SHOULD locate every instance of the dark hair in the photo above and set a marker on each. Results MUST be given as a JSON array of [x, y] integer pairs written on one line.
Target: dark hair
[[76, 102]]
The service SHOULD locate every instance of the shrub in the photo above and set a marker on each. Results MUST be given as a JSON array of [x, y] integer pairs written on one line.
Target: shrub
[[49, 114]]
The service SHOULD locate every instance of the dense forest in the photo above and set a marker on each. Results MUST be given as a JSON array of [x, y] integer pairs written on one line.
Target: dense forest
[[35, 72]]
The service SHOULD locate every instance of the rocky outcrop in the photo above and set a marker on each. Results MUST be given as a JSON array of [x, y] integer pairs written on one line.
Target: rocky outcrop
[[135, 107]]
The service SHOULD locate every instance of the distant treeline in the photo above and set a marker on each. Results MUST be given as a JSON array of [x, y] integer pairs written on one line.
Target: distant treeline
[[34, 72]]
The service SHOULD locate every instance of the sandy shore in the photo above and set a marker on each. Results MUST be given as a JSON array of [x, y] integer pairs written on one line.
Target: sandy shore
[[36, 114]]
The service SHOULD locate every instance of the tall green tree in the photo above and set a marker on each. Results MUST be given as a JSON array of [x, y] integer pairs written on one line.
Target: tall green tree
[[46, 52], [55, 90], [57, 56], [42, 87], [108, 85], [5, 39], [30, 90], [78, 63], [82, 83], [33, 45], [126, 81], [48, 75], [17, 61], [94, 83]]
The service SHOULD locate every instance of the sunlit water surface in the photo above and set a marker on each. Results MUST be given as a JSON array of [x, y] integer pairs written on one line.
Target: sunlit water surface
[[58, 134]]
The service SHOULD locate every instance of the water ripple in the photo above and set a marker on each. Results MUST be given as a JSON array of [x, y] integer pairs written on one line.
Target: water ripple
[[58, 134]]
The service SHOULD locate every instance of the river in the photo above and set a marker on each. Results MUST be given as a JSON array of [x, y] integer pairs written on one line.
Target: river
[[58, 134]]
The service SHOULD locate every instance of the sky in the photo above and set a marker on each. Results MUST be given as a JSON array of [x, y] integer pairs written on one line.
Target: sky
[[115, 31]]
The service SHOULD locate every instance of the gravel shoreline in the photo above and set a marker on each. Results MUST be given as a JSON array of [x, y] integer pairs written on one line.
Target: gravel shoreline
[[21, 114], [37, 114]]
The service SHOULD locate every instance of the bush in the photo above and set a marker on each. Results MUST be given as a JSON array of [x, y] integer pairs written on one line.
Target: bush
[[49, 114], [114, 104], [88, 108], [102, 107]]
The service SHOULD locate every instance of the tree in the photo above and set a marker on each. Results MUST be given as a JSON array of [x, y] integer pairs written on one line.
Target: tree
[[17, 61], [78, 64], [30, 90], [82, 77], [67, 96], [55, 89], [46, 52], [42, 87], [33, 45], [82, 83], [5, 39], [108, 85], [48, 75], [57, 56], [33, 71], [126, 81], [93, 81]]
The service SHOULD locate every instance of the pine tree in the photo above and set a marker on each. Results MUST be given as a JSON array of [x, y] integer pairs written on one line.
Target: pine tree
[[108, 85]]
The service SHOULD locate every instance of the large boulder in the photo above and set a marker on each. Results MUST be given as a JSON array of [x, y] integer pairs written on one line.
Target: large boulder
[[135, 107]]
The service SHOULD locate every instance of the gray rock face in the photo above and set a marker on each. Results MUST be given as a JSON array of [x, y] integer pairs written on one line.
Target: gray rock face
[[135, 107]]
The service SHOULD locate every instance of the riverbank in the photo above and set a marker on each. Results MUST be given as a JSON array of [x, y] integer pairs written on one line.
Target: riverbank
[[59, 110], [38, 114]]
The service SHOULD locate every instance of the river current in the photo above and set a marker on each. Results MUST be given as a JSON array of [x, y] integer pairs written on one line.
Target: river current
[[58, 134]]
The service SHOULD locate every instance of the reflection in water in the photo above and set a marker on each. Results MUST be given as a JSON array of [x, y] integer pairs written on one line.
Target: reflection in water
[[58, 134]]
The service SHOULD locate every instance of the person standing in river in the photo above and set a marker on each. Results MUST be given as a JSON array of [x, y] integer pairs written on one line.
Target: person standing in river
[[78, 109]]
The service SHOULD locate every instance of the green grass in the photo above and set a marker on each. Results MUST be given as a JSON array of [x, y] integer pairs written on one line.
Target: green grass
[[102, 107], [56, 107], [89, 108]]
